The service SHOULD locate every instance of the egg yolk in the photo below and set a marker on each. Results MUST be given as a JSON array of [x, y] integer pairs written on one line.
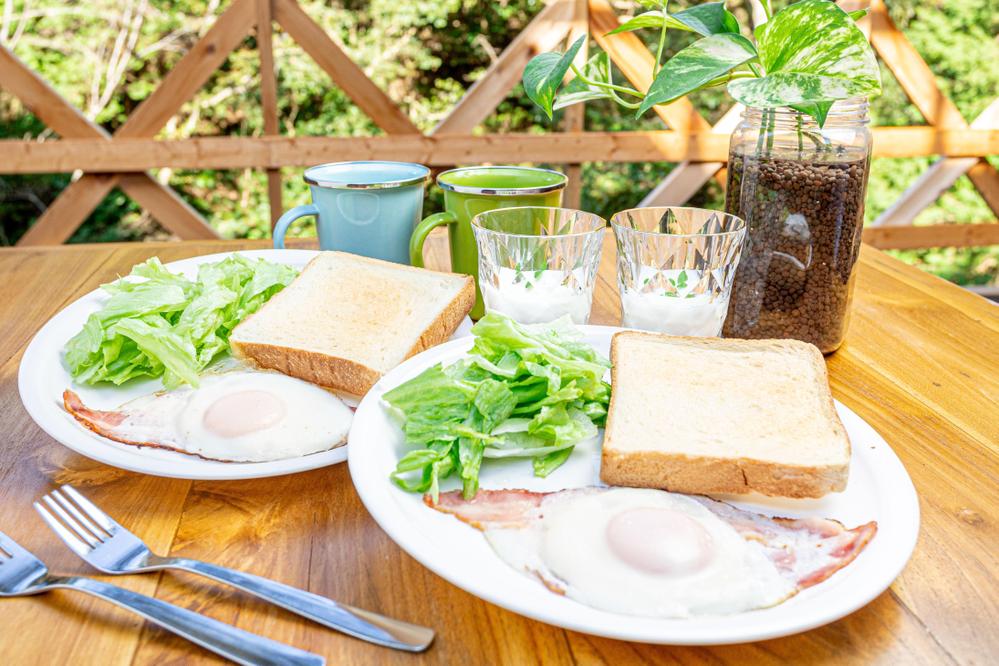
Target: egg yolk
[[243, 412], [660, 541]]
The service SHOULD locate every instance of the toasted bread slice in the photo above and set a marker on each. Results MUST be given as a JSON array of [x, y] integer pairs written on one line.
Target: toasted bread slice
[[347, 320], [705, 415]]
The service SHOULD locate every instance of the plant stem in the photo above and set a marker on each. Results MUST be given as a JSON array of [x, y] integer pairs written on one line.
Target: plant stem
[[770, 135], [605, 85], [731, 76], [800, 138], [662, 45], [763, 133]]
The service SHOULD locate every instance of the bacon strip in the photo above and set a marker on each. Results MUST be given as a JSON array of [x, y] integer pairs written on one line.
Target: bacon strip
[[100, 422], [805, 550], [828, 544], [489, 508]]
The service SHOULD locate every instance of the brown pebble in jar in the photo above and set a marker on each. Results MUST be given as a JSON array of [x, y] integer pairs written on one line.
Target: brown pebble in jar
[[804, 229]]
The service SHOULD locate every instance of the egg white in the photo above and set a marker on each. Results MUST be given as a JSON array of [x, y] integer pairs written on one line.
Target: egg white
[[310, 419], [568, 548]]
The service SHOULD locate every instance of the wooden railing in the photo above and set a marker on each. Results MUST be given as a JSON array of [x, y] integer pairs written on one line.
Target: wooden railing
[[124, 158]]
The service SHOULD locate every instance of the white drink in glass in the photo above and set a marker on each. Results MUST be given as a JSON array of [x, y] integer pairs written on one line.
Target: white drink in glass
[[537, 297], [677, 310]]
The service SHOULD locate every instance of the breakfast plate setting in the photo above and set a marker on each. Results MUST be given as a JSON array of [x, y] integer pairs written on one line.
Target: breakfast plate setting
[[44, 378], [879, 493], [659, 482]]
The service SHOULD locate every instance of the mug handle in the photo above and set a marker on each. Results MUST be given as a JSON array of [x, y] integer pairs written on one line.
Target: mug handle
[[421, 232], [285, 221]]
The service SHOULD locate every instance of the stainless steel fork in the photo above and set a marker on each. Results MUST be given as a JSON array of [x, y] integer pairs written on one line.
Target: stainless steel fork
[[22, 574], [106, 545]]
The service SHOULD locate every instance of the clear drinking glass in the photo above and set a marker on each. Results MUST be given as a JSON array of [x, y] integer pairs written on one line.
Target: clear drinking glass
[[675, 268], [537, 264]]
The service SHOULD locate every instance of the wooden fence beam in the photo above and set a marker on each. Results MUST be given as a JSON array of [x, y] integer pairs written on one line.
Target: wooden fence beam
[[689, 177], [73, 205], [544, 33], [42, 100], [918, 82], [341, 69], [179, 85], [68, 121], [268, 100], [123, 155], [166, 206], [940, 177], [935, 235]]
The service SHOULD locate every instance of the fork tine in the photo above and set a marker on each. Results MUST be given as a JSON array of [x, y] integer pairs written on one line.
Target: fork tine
[[91, 509], [75, 544], [70, 523], [69, 506]]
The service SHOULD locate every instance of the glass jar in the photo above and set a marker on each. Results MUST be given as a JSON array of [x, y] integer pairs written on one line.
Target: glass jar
[[800, 188]]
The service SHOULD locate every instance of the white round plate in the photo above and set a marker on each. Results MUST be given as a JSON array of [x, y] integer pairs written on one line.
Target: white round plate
[[42, 378], [879, 489]]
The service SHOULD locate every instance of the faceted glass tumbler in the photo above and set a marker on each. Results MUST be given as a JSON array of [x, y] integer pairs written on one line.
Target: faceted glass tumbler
[[675, 268], [537, 264]]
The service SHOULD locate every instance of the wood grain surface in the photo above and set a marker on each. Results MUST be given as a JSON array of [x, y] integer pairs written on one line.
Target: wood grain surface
[[920, 364]]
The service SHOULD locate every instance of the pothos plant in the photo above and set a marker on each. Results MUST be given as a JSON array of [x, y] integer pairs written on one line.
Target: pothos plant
[[806, 56]]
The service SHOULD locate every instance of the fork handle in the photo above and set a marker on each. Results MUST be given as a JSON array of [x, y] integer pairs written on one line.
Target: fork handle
[[240, 646], [356, 622]]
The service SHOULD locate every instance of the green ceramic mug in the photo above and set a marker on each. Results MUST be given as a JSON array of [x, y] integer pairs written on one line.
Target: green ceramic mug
[[469, 191]]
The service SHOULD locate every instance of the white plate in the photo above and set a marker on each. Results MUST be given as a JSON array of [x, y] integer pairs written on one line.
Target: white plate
[[42, 378], [879, 489]]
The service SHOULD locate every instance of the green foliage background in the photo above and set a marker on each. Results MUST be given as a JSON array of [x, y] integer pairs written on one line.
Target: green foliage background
[[425, 54]]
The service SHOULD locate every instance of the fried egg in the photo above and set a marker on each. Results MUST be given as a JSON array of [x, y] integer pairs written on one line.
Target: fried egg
[[652, 553], [238, 416]]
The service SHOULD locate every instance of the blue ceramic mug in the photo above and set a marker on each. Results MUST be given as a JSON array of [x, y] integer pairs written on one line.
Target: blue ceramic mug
[[366, 208]]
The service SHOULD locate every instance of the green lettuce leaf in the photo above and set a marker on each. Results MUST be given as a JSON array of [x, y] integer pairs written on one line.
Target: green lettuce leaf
[[166, 325], [522, 392]]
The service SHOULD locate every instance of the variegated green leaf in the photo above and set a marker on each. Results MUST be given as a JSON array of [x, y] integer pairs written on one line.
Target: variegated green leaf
[[818, 110], [794, 89], [817, 37], [704, 60], [858, 14], [813, 54], [711, 18], [597, 69], [544, 73], [646, 20]]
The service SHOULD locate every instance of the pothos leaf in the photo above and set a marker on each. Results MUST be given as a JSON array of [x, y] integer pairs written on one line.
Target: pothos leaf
[[704, 60], [597, 69], [795, 89], [711, 18], [819, 110], [647, 20], [544, 73], [708, 19], [818, 38], [814, 54], [858, 14]]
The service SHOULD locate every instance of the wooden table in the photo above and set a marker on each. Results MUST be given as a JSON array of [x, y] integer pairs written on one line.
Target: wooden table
[[921, 365]]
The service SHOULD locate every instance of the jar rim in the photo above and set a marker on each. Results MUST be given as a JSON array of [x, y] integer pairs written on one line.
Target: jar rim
[[852, 109]]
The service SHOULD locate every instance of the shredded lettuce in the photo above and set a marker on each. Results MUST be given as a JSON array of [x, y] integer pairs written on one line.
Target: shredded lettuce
[[167, 325], [522, 392]]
